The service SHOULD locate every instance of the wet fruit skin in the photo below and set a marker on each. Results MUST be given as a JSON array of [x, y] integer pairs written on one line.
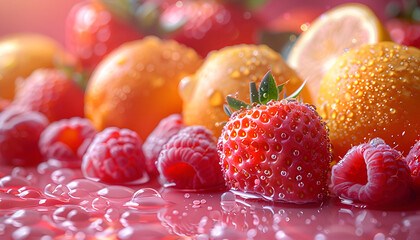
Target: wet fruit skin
[[136, 85], [19, 136], [372, 173], [229, 72], [51, 92], [373, 91], [277, 149], [21, 54]]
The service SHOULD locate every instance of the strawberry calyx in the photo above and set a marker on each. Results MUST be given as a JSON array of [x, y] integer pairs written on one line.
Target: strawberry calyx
[[267, 91]]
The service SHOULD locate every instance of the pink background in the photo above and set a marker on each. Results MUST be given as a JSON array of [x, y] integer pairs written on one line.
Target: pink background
[[48, 16]]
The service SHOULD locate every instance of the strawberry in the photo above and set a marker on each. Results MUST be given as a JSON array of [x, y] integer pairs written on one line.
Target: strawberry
[[372, 173], [413, 161], [209, 25], [92, 31], [189, 160], [115, 156], [51, 92], [279, 150]]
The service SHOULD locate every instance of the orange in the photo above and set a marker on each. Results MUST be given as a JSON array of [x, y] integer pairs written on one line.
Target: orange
[[20, 54], [373, 91], [329, 36], [135, 86], [228, 72]]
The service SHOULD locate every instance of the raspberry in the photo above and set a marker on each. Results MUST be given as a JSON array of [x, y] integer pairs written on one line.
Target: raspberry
[[166, 128], [67, 140], [413, 162], [189, 160], [19, 136], [115, 156], [372, 173]]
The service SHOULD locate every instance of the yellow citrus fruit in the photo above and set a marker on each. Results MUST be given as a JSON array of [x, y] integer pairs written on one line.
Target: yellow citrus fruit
[[136, 85], [228, 72], [329, 36], [20, 54], [373, 91]]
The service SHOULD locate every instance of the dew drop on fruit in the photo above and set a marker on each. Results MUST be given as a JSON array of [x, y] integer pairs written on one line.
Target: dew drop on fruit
[[228, 201], [147, 198], [215, 98]]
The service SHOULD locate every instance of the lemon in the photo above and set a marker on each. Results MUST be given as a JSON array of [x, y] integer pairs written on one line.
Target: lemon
[[329, 36]]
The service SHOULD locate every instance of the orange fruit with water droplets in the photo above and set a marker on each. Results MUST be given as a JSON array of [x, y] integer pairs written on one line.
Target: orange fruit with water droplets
[[136, 85], [21, 54], [343, 27], [373, 91], [228, 72]]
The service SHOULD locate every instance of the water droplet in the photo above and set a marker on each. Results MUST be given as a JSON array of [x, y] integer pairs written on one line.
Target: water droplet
[[216, 98], [147, 198], [112, 215], [24, 217], [100, 203], [86, 184], [228, 201], [62, 176], [32, 232], [60, 192], [392, 110], [116, 192], [9, 181]]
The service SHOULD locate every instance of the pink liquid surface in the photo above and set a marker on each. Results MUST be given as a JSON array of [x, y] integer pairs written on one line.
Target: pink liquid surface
[[58, 203]]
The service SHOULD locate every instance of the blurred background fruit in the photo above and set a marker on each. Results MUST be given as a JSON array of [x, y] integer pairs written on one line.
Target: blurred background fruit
[[228, 72], [373, 91], [136, 85], [52, 92], [20, 54]]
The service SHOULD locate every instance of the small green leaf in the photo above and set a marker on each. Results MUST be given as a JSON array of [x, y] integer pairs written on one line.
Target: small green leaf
[[227, 110], [268, 89], [254, 93], [236, 104], [280, 89], [297, 92]]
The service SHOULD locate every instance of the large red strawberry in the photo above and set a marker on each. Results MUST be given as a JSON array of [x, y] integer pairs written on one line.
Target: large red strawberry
[[51, 92], [92, 31], [209, 25], [277, 149]]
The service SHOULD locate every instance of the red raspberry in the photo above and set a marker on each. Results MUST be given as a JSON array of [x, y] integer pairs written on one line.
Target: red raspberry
[[19, 136], [189, 160], [413, 162], [166, 128], [67, 140], [115, 156], [372, 173], [51, 92]]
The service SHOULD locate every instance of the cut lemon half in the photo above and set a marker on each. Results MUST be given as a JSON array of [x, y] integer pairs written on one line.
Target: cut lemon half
[[329, 36]]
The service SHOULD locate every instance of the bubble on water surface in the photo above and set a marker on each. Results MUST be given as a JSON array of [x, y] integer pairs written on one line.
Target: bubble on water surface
[[86, 184], [33, 232], [62, 176], [116, 192], [24, 217], [147, 198], [10, 181]]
